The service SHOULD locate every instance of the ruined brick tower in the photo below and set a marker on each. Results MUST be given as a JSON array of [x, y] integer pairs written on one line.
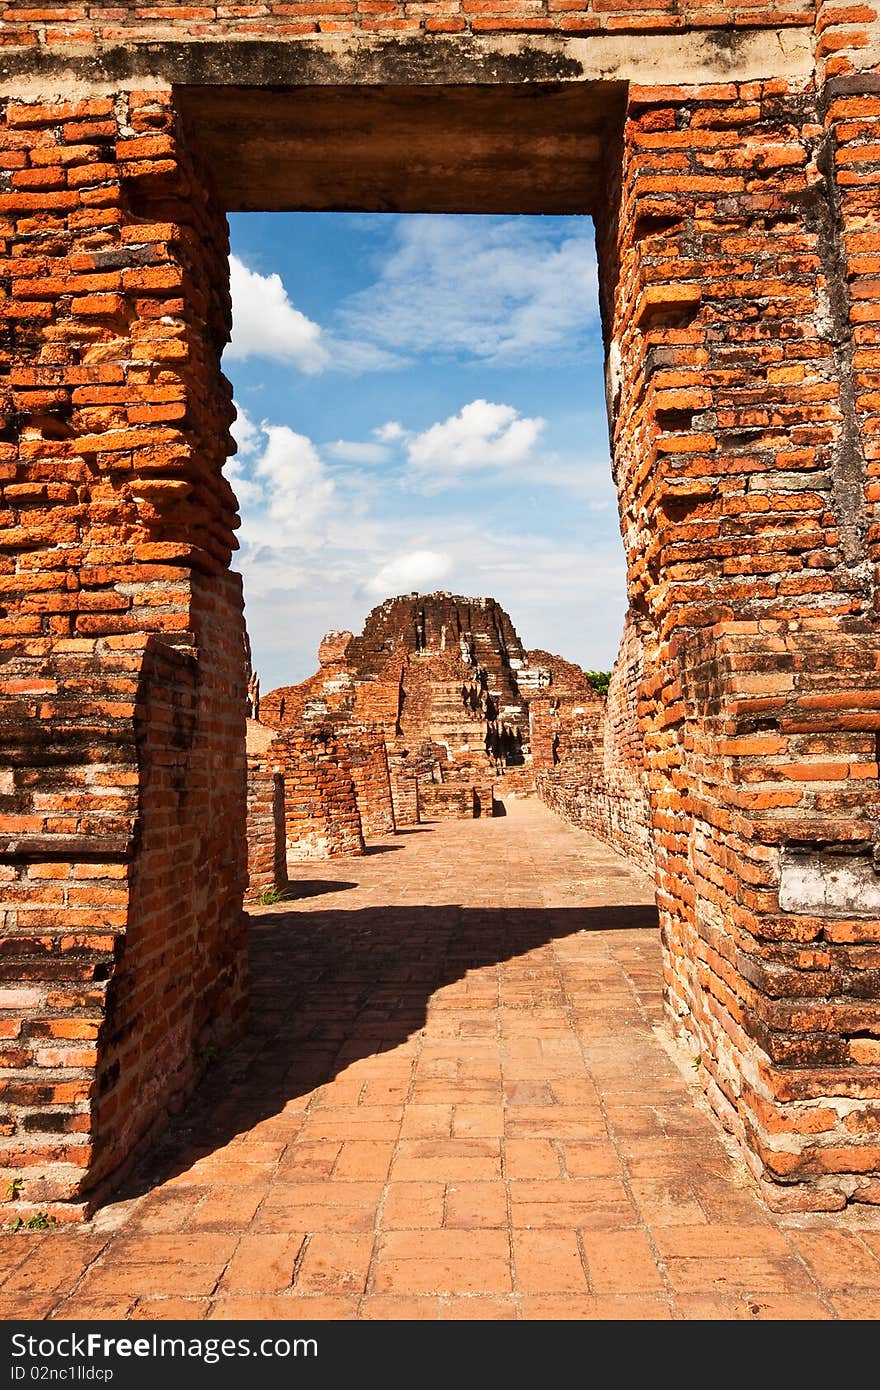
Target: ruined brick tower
[[730, 159], [426, 709]]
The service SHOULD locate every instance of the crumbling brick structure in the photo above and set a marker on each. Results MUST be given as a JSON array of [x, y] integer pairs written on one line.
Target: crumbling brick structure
[[589, 755], [266, 829], [731, 160], [426, 702]]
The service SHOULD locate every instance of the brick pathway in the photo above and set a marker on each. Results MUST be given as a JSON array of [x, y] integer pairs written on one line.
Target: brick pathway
[[454, 1107]]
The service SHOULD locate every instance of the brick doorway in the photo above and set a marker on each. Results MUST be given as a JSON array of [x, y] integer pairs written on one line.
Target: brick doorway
[[737, 301]]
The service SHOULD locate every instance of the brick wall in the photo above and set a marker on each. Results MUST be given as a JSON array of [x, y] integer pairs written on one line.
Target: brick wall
[[590, 759], [80, 24], [121, 679], [368, 760], [266, 834], [742, 441], [321, 811]]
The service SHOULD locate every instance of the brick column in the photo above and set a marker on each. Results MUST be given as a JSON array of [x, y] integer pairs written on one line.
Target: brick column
[[741, 457], [122, 679]]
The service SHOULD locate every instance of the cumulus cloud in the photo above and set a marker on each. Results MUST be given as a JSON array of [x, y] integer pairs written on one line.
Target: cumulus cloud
[[266, 324], [358, 451], [497, 290], [389, 432], [482, 435], [416, 570], [286, 494], [246, 434]]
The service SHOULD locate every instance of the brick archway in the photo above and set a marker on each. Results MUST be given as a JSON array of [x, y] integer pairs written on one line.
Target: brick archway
[[733, 177]]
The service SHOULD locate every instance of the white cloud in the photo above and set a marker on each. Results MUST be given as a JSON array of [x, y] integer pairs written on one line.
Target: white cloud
[[497, 290], [266, 324], [415, 571], [318, 549], [246, 434], [482, 435], [390, 431], [288, 499], [356, 451]]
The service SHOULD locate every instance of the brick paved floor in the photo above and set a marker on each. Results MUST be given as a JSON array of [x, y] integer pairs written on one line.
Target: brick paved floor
[[454, 1103]]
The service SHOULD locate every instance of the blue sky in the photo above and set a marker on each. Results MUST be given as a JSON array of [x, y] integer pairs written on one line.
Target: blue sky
[[420, 407]]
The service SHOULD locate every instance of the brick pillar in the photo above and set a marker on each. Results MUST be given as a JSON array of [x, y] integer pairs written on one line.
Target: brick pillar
[[741, 450], [122, 681], [266, 834]]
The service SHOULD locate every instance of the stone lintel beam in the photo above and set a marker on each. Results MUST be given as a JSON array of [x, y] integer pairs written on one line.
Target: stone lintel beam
[[703, 55]]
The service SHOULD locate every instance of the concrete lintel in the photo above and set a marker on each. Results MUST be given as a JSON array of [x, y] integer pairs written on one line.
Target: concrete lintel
[[829, 885], [692, 59]]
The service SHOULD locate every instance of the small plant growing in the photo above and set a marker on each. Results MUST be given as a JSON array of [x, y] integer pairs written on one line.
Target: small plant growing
[[40, 1221], [13, 1191], [599, 680], [273, 895], [697, 1062]]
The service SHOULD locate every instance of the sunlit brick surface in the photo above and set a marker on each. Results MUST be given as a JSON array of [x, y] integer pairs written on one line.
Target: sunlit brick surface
[[455, 1103]]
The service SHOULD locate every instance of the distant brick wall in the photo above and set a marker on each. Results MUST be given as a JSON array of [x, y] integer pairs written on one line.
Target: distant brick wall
[[266, 834], [368, 760], [404, 794], [590, 766], [321, 810]]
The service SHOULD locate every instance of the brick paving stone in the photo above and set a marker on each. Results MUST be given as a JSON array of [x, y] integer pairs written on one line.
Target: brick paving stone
[[171, 1309], [75, 1309], [456, 1104], [389, 1308], [627, 1308], [335, 1264], [262, 1264], [476, 1204], [620, 1262], [413, 1205], [477, 1309], [222, 1211], [549, 1262], [765, 1307], [264, 1308], [838, 1259]]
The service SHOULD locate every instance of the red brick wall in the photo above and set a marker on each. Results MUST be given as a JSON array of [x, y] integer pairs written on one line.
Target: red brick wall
[[590, 766], [266, 834], [120, 23], [368, 761], [740, 442], [321, 810], [122, 692]]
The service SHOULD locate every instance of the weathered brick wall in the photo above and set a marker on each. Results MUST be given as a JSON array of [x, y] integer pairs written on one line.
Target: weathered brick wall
[[321, 811], [740, 458], [122, 693], [404, 793], [368, 760], [590, 761], [266, 833], [739, 287], [113, 22]]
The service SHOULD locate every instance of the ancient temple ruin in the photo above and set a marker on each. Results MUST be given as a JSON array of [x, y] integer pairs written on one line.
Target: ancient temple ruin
[[430, 713], [729, 158]]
